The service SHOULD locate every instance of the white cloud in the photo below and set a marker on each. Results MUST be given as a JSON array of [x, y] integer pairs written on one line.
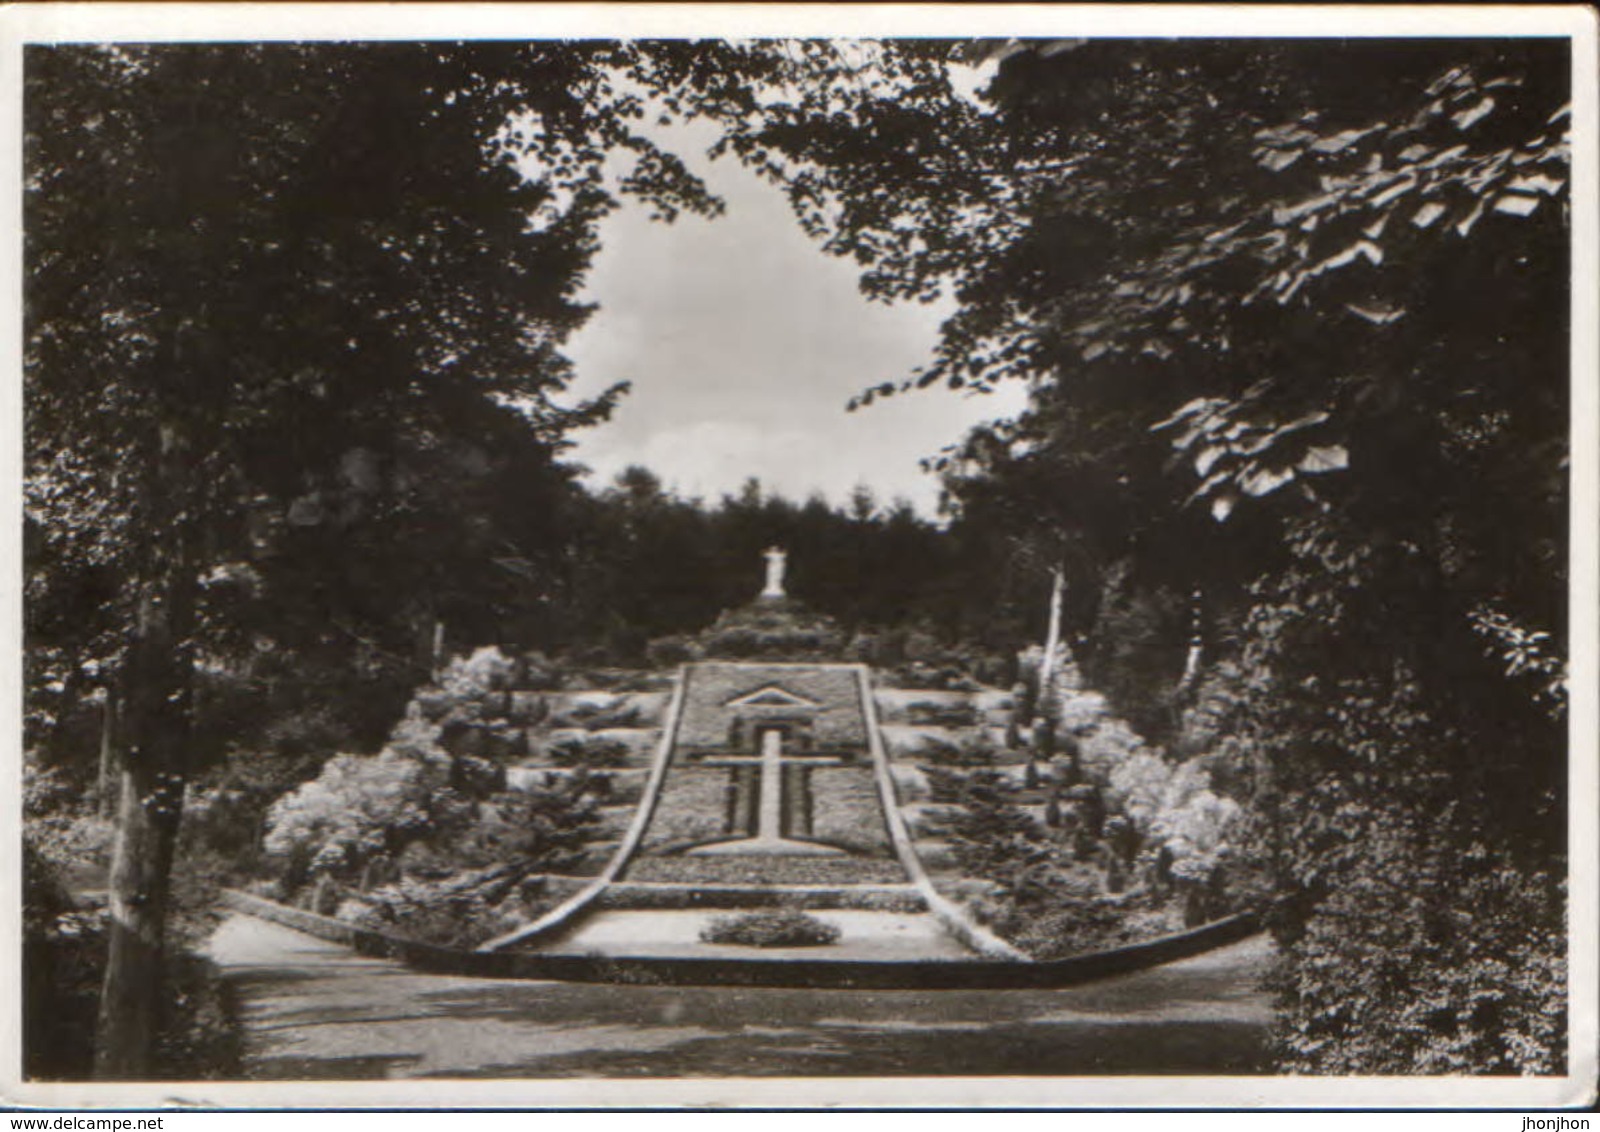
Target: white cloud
[[744, 342]]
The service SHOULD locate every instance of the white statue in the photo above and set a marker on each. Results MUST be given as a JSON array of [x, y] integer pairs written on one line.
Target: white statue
[[775, 560]]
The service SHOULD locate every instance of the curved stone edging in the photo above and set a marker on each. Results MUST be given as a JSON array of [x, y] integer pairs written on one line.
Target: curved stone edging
[[565, 914], [949, 914], [844, 974]]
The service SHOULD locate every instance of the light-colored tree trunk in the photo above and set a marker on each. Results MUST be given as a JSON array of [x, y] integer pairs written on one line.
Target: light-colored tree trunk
[[1052, 644], [1043, 744]]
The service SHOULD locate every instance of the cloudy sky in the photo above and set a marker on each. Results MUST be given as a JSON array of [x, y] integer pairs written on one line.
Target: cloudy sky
[[743, 342]]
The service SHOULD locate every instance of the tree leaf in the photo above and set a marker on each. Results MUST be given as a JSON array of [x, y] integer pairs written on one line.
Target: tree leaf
[[1338, 143], [1537, 183], [1428, 213], [1474, 114], [1378, 316], [1277, 160], [1470, 220], [1398, 188], [1361, 249], [1260, 480], [1187, 409], [1208, 484], [1208, 458], [1324, 458], [1515, 204]]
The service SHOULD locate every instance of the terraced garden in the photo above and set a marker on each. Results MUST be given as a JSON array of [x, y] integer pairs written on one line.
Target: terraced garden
[[770, 794]]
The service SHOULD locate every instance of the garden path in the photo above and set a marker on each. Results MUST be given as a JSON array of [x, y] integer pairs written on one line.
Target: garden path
[[316, 1011]]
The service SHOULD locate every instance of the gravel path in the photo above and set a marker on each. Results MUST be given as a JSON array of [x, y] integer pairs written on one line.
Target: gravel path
[[314, 1010]]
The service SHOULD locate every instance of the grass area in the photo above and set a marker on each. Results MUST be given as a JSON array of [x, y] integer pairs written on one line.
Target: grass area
[[706, 719]]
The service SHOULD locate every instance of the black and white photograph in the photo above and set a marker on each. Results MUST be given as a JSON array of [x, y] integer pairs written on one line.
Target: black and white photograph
[[794, 554]]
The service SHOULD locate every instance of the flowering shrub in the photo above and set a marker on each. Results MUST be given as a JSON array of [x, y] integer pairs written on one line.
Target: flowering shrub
[[486, 670], [363, 811], [1198, 827], [357, 809], [1139, 786]]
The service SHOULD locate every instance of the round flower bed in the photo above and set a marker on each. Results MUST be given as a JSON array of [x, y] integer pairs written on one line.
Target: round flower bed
[[786, 927]]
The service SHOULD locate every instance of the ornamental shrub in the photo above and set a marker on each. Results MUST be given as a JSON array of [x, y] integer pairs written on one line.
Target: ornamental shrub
[[590, 752], [445, 913], [486, 670], [388, 808], [357, 809], [785, 927], [934, 713]]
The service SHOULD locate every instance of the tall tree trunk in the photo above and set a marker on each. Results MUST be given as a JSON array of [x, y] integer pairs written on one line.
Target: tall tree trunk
[[154, 758], [131, 1000], [1045, 714], [1191, 662], [1052, 644], [108, 734], [71, 694]]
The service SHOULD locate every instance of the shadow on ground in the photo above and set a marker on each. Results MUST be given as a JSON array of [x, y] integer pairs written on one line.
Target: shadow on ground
[[313, 1010]]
